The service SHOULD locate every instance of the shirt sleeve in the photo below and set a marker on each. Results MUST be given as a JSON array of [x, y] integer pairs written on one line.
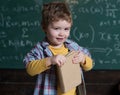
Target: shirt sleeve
[[37, 66], [88, 63]]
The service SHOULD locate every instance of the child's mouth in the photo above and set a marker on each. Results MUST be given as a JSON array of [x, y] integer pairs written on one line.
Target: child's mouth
[[60, 39]]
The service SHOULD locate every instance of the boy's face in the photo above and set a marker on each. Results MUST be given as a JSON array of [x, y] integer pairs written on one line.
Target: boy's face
[[57, 32]]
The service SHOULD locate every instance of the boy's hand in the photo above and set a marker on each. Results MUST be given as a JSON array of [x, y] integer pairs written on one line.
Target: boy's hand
[[58, 60], [79, 58]]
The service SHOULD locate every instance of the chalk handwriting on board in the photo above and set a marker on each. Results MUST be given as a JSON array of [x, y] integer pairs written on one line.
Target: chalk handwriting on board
[[100, 19], [95, 26], [24, 31]]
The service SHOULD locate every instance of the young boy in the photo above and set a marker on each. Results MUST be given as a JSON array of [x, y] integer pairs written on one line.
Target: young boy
[[43, 58]]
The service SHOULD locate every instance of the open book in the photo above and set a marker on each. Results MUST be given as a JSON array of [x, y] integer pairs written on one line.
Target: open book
[[69, 74]]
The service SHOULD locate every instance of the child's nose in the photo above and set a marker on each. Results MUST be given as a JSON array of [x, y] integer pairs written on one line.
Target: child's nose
[[61, 33]]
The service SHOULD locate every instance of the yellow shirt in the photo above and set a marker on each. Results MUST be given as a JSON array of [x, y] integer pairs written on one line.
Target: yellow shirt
[[64, 51]]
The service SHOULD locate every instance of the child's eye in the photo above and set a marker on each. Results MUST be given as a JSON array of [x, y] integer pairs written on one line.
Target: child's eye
[[56, 28], [67, 28]]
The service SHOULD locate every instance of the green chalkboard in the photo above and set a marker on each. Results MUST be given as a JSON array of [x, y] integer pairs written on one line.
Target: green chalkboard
[[96, 26]]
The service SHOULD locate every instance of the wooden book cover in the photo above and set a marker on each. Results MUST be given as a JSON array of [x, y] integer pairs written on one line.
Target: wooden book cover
[[69, 74]]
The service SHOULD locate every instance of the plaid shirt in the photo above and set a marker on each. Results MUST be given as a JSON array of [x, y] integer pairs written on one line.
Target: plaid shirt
[[47, 80]]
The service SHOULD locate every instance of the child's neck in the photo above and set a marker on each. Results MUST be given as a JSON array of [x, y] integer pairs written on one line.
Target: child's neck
[[59, 46]]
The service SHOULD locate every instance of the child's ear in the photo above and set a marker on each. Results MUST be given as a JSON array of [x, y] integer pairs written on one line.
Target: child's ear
[[43, 28]]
